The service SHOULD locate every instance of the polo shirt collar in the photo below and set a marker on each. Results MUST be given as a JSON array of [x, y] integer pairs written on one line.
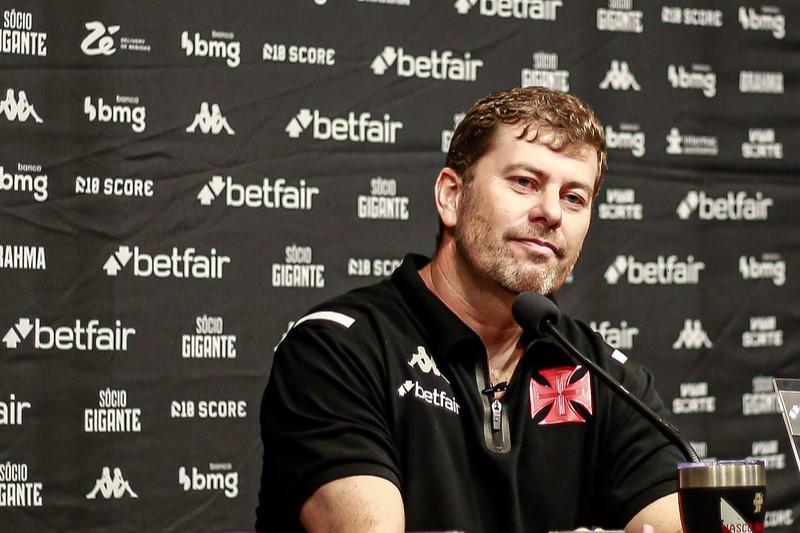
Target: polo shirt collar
[[442, 329]]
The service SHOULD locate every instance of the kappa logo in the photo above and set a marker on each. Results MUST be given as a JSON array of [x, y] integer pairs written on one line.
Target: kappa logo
[[210, 121], [692, 336], [100, 40], [620, 78], [425, 363], [18, 108], [560, 393], [109, 487]]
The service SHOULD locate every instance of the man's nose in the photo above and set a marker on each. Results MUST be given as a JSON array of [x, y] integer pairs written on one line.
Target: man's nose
[[547, 208]]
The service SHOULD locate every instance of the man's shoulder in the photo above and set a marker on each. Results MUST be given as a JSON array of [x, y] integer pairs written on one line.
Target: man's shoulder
[[355, 309]]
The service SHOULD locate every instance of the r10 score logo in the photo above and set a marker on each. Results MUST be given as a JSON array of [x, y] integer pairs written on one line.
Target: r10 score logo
[[372, 267], [208, 409]]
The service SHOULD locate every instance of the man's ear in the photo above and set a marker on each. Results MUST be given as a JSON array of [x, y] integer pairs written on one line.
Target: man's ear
[[447, 195]]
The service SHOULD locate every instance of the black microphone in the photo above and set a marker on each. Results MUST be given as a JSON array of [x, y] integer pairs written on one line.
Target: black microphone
[[537, 315]]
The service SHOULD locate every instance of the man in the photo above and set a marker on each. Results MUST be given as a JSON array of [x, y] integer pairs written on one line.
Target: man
[[419, 404]]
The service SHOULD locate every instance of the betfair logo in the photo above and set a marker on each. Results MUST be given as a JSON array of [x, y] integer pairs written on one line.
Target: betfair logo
[[518, 9], [186, 264], [444, 65], [663, 271], [270, 194], [358, 128], [733, 206]]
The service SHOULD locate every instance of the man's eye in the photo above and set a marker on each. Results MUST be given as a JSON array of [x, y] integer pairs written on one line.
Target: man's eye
[[575, 199]]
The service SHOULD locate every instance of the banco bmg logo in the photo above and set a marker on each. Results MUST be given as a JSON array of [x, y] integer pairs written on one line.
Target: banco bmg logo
[[219, 46], [181, 264], [354, 127], [221, 477]]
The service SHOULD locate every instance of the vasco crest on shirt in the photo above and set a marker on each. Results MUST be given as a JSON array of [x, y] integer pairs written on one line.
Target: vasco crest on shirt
[[563, 394]]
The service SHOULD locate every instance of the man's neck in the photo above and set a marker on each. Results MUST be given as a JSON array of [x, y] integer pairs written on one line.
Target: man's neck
[[483, 306]]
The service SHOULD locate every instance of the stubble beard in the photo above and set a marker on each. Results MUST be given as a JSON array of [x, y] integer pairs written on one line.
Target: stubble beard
[[489, 256]]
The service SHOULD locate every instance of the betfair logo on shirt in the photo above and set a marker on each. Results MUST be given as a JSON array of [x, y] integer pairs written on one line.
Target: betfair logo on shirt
[[437, 398]]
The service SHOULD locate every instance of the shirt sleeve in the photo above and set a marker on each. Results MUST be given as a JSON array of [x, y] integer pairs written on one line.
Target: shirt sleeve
[[641, 463], [323, 417]]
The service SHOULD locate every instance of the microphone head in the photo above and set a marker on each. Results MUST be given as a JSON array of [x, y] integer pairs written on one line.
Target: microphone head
[[532, 311]]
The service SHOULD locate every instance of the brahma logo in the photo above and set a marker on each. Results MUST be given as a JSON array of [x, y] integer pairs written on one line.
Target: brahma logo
[[518, 9], [358, 128], [437, 65], [181, 265]]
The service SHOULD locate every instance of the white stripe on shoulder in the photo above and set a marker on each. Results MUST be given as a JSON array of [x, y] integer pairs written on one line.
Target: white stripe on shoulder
[[619, 357], [331, 316]]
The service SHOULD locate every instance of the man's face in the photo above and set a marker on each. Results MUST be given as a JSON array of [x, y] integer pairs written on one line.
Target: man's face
[[523, 217]]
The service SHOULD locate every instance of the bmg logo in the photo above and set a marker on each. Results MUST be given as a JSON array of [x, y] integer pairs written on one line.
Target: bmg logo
[[228, 482]]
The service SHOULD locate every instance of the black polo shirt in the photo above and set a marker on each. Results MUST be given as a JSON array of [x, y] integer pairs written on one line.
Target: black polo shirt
[[387, 381]]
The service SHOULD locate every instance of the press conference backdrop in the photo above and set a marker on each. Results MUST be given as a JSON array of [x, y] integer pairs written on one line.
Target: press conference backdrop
[[181, 180]]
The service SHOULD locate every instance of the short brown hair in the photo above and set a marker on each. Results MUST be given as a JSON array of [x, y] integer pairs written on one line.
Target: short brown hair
[[559, 121]]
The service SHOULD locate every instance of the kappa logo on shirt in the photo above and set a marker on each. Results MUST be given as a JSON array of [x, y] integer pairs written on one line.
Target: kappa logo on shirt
[[423, 361], [560, 394]]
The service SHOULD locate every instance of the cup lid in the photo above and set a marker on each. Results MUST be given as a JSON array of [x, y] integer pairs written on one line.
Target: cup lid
[[740, 473]]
